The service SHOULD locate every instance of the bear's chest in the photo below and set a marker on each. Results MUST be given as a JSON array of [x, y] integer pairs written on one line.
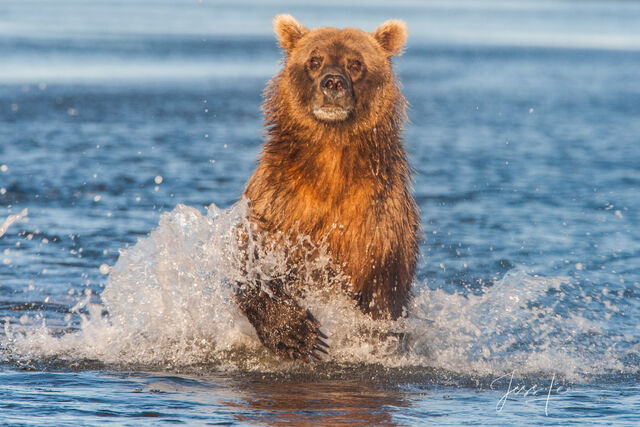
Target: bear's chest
[[334, 197], [324, 190]]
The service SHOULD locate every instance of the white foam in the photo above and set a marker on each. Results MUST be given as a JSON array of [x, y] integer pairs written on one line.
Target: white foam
[[170, 302]]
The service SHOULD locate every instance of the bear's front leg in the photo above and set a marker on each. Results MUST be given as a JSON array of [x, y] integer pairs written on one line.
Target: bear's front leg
[[283, 326]]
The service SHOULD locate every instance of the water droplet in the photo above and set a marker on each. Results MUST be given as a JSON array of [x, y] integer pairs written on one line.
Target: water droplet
[[104, 269]]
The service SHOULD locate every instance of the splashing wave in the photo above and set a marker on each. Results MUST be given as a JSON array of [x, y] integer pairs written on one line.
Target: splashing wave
[[169, 302]]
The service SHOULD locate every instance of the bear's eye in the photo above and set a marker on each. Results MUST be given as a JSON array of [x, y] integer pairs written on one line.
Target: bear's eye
[[314, 63], [355, 66]]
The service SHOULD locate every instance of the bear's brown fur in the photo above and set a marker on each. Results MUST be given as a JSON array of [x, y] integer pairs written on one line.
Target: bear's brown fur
[[334, 169]]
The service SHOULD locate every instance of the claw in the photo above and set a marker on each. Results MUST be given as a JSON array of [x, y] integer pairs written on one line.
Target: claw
[[320, 349], [322, 343], [311, 317], [321, 334]]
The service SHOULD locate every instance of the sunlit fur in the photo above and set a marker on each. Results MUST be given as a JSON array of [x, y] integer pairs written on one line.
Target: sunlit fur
[[346, 181]]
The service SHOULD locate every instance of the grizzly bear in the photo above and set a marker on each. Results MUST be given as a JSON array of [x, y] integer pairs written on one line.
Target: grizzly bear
[[334, 169]]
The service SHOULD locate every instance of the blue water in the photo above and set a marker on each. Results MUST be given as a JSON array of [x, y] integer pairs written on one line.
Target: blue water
[[120, 122]]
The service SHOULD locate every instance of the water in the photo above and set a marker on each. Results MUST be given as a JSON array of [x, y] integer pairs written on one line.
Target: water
[[121, 123]]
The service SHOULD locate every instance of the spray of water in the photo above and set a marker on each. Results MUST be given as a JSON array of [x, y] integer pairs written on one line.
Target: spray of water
[[169, 302], [11, 219]]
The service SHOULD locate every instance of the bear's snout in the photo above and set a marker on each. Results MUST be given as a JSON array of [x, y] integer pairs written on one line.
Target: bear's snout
[[334, 86], [333, 99]]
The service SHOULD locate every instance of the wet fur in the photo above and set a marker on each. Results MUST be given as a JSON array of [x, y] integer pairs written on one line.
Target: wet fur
[[345, 184]]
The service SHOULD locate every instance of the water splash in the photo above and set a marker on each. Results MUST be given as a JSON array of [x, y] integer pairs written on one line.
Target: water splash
[[169, 302], [518, 324], [11, 219]]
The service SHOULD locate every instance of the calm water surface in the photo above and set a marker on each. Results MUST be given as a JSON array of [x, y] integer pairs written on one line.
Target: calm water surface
[[122, 122]]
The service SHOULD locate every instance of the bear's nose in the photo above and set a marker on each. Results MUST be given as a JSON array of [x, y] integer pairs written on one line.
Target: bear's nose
[[334, 86]]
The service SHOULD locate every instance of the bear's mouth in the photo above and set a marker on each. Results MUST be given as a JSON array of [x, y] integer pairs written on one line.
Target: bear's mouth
[[331, 113]]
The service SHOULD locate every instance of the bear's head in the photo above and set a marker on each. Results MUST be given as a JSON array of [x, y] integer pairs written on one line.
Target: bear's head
[[338, 77]]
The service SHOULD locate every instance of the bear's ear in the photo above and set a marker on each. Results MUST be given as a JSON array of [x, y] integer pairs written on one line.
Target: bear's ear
[[391, 35], [288, 30]]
